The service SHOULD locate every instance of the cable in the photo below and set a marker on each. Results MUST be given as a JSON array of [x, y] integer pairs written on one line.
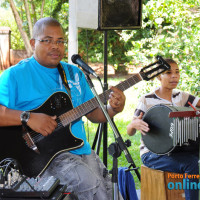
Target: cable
[[10, 174], [9, 168]]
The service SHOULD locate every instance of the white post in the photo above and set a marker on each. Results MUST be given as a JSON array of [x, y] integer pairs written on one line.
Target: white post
[[73, 30]]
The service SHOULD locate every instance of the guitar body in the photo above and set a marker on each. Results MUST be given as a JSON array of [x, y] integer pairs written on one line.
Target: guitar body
[[13, 145]]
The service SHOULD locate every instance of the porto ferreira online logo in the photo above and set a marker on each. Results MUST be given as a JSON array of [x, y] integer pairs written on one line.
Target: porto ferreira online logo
[[183, 181]]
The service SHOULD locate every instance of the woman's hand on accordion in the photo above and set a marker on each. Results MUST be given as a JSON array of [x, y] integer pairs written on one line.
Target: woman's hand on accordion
[[137, 124]]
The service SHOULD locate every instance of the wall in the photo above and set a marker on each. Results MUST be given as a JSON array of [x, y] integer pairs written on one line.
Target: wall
[[8, 56]]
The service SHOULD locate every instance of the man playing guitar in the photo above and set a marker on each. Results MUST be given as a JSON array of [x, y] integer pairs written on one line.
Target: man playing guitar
[[30, 92]]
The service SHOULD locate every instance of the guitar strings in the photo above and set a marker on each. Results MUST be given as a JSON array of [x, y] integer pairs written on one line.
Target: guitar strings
[[124, 85]]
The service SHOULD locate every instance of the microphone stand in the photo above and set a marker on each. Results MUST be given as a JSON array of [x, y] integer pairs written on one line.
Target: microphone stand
[[117, 135]]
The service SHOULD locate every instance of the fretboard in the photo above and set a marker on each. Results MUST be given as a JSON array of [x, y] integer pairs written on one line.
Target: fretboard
[[90, 105]]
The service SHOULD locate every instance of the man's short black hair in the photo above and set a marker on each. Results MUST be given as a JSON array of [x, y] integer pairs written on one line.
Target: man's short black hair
[[43, 22]]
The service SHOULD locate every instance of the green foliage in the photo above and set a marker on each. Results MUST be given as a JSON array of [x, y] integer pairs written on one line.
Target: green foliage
[[91, 44], [171, 29], [9, 21], [57, 9]]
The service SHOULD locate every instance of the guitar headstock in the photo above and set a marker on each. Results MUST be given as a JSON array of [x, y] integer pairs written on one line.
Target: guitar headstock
[[152, 71]]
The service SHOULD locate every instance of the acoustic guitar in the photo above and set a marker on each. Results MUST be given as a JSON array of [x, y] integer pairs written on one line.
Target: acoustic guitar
[[33, 151]]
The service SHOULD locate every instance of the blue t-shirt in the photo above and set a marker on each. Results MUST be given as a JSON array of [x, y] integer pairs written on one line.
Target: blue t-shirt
[[27, 85]]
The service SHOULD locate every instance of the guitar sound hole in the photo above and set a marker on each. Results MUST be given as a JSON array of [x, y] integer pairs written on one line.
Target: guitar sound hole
[[58, 102]]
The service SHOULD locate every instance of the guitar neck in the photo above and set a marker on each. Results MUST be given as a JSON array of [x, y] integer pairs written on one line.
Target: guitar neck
[[90, 105]]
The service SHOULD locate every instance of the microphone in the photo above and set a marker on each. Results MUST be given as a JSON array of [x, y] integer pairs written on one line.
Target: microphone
[[76, 59]]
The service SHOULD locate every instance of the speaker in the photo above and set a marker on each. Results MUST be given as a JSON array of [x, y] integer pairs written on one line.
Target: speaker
[[109, 14], [120, 14]]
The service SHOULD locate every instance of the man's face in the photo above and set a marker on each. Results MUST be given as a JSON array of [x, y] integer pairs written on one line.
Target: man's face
[[49, 54]]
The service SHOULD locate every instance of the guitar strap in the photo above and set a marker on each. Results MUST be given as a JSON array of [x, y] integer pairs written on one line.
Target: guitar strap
[[64, 78]]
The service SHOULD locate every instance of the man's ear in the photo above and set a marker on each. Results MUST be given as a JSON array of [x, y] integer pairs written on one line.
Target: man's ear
[[32, 42]]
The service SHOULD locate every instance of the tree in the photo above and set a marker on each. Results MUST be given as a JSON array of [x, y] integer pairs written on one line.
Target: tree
[[28, 17], [20, 27], [25, 18], [169, 28]]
